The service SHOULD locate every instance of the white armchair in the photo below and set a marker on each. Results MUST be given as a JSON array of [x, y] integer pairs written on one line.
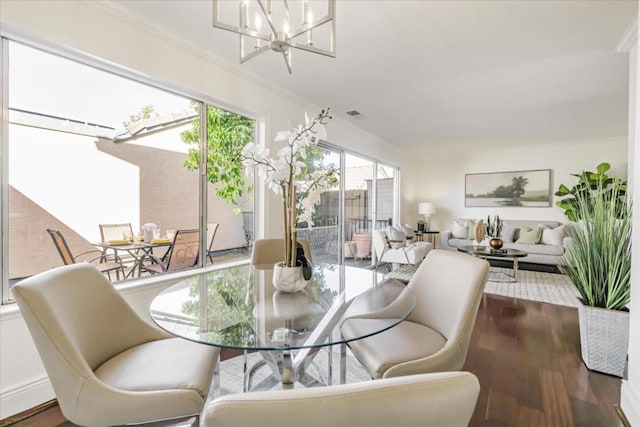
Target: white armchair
[[448, 288], [407, 252], [429, 400], [106, 364]]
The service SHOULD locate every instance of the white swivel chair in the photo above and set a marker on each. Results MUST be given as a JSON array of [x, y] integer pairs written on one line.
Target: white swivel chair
[[107, 366], [411, 253], [440, 399], [448, 287]]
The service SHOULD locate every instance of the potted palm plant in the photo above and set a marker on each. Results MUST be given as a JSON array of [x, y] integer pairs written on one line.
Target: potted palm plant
[[599, 265]]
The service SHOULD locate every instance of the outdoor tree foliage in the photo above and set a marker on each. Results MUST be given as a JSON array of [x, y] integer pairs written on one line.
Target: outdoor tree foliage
[[227, 134]]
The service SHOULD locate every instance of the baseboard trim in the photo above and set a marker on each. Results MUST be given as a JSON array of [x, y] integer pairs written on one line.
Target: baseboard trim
[[630, 403], [25, 397], [28, 413]]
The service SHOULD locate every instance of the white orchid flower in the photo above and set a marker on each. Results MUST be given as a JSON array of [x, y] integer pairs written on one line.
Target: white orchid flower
[[248, 149], [284, 153], [283, 135], [289, 162], [320, 133]]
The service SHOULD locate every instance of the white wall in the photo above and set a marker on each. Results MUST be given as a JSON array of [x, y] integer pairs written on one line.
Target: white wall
[[81, 26], [441, 180], [630, 392]]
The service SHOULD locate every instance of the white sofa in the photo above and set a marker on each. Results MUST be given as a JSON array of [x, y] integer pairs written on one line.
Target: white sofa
[[549, 251], [410, 253]]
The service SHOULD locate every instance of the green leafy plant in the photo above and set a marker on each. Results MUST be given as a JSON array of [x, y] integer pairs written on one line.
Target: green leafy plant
[[494, 226], [591, 185], [227, 135], [599, 261]]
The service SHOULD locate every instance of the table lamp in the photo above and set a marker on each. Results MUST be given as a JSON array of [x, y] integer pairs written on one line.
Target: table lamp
[[427, 209]]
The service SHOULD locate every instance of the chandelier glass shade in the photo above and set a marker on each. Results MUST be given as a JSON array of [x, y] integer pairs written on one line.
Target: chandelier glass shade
[[278, 25]]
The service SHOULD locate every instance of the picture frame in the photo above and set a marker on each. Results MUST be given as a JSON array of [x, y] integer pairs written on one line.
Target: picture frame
[[528, 188]]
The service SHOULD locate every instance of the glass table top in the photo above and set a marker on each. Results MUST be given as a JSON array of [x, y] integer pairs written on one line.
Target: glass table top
[[239, 308]]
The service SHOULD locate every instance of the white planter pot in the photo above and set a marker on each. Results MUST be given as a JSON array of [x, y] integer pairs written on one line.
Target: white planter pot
[[604, 339], [288, 279]]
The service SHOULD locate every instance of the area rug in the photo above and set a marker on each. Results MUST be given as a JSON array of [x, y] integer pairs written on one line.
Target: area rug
[[539, 286], [231, 370], [552, 288]]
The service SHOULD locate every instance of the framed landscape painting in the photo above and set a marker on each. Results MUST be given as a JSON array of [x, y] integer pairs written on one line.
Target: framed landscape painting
[[518, 188]]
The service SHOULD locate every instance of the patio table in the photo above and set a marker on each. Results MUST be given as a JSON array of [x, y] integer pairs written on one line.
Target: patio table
[[137, 251]]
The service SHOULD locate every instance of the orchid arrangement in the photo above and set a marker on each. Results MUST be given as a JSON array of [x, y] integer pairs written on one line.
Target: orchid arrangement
[[287, 175]]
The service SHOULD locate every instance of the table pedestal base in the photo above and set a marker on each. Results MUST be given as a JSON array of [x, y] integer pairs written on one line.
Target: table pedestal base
[[506, 278]]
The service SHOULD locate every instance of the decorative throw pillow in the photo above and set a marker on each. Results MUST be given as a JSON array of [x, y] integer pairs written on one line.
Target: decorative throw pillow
[[507, 233], [471, 225], [459, 229], [529, 235], [408, 231], [396, 237], [553, 236]]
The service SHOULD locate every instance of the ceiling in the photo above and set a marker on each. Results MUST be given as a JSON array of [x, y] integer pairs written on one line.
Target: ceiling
[[436, 73]]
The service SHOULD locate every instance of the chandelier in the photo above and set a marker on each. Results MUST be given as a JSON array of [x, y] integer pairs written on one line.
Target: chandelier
[[269, 25]]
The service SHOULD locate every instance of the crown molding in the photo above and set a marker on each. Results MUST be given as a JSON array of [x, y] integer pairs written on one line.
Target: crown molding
[[126, 15], [629, 38]]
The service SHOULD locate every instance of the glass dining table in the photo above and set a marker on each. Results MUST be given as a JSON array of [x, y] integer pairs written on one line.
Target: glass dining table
[[238, 308]]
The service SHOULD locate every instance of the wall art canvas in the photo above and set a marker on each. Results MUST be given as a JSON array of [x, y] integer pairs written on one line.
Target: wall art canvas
[[518, 188]]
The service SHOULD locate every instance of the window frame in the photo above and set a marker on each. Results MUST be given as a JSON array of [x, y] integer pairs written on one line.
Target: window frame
[[81, 58], [205, 101]]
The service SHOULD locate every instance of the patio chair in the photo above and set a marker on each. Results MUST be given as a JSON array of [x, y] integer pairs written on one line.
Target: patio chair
[[183, 253], [114, 231], [68, 258], [211, 235]]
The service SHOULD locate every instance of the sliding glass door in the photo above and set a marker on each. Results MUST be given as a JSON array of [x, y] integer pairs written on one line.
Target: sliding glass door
[[368, 194]]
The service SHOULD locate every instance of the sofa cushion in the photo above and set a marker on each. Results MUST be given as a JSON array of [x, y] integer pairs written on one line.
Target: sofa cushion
[[539, 249], [553, 236], [529, 235], [471, 229], [507, 233], [456, 243], [460, 229], [408, 231]]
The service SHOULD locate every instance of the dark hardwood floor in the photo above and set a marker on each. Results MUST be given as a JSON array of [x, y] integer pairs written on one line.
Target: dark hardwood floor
[[527, 358]]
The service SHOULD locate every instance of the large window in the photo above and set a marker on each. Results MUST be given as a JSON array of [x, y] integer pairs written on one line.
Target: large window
[[86, 147]]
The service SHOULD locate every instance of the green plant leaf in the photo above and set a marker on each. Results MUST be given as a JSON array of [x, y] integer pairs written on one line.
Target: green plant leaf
[[603, 167]]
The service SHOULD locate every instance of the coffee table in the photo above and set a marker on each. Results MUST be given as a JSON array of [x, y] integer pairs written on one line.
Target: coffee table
[[484, 252]]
